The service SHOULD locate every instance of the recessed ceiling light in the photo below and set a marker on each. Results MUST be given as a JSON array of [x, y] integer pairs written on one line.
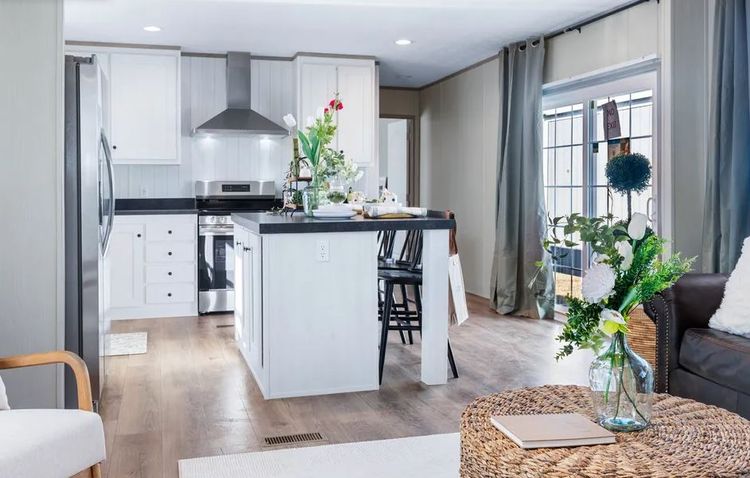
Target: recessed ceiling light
[[152, 28], [403, 42]]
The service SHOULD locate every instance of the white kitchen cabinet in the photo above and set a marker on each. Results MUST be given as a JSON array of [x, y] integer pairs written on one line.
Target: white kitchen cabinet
[[124, 265], [143, 102], [145, 99], [355, 79], [150, 269], [248, 311]]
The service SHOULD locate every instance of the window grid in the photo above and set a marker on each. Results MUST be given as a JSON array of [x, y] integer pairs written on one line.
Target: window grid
[[580, 185]]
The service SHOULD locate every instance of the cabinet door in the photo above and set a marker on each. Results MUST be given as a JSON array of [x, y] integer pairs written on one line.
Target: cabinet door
[[144, 100], [125, 266], [317, 88], [254, 309], [356, 122], [240, 334]]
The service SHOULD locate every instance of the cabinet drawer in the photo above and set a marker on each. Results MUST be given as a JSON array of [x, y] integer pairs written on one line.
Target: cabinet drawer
[[170, 273], [170, 232], [170, 252], [170, 293]]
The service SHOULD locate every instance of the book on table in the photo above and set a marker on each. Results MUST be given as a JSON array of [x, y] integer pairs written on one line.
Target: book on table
[[552, 430]]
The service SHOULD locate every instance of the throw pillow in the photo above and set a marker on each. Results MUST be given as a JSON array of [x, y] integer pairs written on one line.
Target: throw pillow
[[3, 398], [733, 315]]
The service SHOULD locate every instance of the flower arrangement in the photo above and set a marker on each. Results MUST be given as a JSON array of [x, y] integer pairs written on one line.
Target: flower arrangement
[[627, 271], [323, 161]]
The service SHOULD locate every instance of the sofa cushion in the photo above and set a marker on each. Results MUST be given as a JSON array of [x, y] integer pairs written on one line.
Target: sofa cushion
[[49, 443], [717, 356]]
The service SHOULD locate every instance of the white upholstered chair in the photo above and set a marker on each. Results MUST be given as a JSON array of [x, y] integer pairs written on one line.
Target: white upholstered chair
[[52, 443]]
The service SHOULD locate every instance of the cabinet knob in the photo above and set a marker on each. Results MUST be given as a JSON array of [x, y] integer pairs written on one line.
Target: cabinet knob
[[169, 231], [169, 253], [169, 273], [137, 235], [169, 294], [114, 146]]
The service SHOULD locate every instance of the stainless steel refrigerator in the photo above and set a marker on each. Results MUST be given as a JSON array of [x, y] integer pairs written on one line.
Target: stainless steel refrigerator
[[89, 213]]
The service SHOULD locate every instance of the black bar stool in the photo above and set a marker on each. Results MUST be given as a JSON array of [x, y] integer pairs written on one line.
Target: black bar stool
[[404, 321]]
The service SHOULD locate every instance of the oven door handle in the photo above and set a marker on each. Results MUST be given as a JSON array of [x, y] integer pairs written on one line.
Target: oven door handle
[[216, 231]]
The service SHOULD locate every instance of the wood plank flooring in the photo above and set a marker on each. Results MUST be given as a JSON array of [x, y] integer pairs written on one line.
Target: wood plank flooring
[[191, 395]]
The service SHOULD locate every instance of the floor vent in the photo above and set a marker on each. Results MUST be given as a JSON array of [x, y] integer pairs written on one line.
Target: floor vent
[[293, 439]]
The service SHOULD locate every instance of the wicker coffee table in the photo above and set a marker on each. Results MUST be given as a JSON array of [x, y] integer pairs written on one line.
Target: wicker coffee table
[[685, 439]]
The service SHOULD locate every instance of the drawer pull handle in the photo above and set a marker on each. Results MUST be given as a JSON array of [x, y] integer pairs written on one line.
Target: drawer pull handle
[[169, 253], [169, 273], [169, 294]]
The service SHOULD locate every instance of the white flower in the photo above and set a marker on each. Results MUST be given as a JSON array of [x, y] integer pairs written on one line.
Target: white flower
[[599, 258], [310, 122], [319, 113], [610, 321], [626, 251], [290, 121], [598, 284], [637, 226]]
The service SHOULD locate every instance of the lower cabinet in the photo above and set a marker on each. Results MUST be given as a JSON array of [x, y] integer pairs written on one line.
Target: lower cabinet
[[150, 268], [248, 308]]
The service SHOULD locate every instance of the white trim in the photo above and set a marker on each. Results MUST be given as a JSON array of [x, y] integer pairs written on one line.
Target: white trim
[[602, 75], [663, 134]]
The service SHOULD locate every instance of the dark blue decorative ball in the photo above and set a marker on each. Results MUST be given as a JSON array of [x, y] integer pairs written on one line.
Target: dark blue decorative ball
[[629, 173]]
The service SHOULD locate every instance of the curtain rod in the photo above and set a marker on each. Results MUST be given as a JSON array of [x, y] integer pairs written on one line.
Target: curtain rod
[[593, 19]]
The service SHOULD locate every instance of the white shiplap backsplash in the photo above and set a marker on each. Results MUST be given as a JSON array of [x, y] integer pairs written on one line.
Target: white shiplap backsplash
[[218, 157]]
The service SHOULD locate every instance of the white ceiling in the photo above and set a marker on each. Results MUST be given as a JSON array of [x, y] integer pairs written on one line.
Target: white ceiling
[[448, 35]]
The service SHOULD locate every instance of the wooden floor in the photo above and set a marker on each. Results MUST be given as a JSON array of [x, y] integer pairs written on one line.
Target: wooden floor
[[191, 395]]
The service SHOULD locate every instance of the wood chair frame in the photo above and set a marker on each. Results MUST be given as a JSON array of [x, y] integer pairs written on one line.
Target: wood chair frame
[[83, 384]]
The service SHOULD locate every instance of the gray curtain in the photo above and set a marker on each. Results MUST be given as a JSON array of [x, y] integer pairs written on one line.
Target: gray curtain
[[727, 217], [520, 211]]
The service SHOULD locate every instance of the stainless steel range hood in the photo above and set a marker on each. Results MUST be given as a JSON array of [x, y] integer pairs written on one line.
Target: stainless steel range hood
[[238, 118]]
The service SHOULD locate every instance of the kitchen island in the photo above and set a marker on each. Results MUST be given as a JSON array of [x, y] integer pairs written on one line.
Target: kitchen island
[[306, 310]]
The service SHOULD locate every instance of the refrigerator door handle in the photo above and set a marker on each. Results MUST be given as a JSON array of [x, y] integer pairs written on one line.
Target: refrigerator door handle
[[111, 180]]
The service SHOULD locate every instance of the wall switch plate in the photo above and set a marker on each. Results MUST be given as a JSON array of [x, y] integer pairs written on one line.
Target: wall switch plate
[[323, 250]]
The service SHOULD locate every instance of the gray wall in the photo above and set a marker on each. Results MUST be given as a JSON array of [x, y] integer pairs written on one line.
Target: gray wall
[[31, 244]]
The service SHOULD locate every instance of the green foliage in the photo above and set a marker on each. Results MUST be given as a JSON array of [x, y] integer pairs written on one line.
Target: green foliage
[[635, 284], [581, 329], [629, 173]]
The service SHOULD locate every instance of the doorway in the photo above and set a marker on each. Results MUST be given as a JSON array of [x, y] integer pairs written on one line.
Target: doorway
[[399, 169]]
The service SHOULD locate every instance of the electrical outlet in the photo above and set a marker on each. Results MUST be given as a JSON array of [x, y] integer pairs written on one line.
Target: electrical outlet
[[323, 252]]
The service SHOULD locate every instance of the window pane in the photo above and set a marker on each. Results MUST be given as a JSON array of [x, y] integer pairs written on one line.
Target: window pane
[[577, 166], [563, 169], [578, 124], [563, 130]]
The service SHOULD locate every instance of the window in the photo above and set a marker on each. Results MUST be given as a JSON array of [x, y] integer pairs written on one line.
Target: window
[[575, 155]]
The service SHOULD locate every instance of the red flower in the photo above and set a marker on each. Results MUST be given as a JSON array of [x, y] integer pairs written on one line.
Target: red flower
[[332, 103], [335, 103], [325, 111], [340, 106]]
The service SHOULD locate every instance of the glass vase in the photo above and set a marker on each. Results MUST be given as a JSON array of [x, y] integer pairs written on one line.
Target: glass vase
[[622, 387], [311, 199], [337, 190]]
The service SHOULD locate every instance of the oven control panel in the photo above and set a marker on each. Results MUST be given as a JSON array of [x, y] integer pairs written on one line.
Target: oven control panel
[[222, 220]]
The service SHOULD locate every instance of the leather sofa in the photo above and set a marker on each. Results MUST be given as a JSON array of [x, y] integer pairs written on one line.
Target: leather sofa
[[692, 360]]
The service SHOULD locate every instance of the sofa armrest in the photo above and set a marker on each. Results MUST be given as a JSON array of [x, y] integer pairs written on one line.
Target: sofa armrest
[[80, 371], [690, 303]]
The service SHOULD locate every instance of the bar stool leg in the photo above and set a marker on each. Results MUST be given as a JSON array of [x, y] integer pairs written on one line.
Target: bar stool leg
[[387, 306], [451, 360]]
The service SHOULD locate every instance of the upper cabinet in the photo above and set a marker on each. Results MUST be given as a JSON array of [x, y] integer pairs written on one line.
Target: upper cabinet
[[318, 79], [143, 114]]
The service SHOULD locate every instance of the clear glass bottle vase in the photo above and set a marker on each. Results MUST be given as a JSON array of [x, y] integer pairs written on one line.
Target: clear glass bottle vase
[[622, 387]]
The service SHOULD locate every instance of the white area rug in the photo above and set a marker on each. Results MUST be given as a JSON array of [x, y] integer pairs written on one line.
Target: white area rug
[[431, 456], [132, 343]]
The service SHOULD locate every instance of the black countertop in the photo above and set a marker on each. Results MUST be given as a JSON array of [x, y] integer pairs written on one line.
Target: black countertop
[[264, 223], [125, 207]]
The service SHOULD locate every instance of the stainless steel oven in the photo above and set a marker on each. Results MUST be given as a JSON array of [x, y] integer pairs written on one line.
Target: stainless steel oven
[[215, 264], [216, 201]]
